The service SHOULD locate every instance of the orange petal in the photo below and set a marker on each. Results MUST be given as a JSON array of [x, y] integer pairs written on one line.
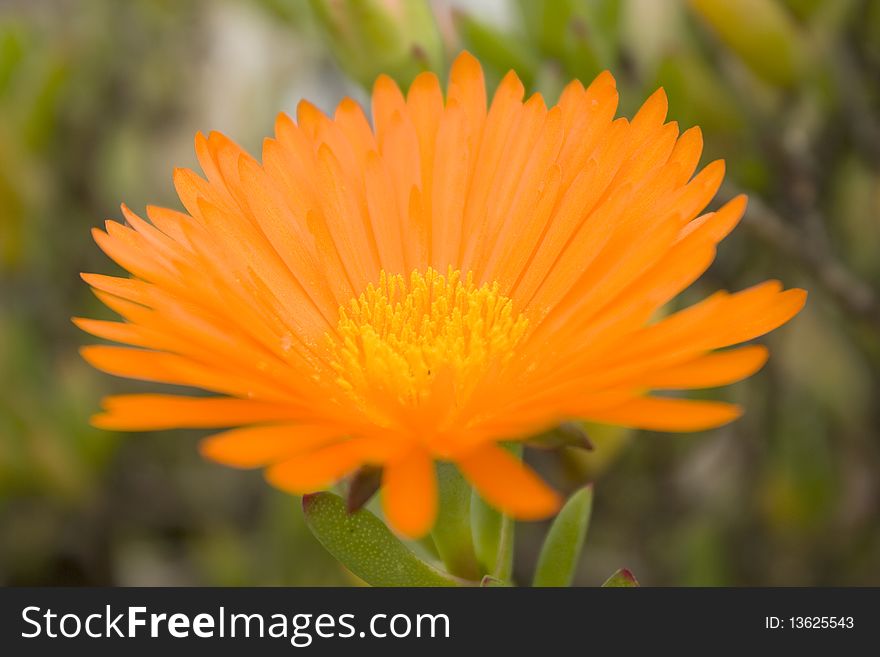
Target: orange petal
[[409, 493], [687, 151], [711, 370], [508, 485], [130, 289], [151, 412], [784, 306], [253, 447], [468, 89], [116, 331], [668, 414], [170, 368], [316, 470]]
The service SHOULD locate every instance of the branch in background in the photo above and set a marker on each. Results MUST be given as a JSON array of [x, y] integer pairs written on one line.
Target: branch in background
[[852, 293]]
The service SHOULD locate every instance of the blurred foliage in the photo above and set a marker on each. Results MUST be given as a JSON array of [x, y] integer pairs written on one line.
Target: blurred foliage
[[788, 91], [371, 37]]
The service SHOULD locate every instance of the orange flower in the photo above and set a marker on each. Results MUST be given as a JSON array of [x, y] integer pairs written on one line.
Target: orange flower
[[423, 289]]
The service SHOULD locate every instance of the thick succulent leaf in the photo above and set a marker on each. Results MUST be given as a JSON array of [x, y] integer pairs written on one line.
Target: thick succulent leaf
[[623, 578], [364, 545], [562, 547]]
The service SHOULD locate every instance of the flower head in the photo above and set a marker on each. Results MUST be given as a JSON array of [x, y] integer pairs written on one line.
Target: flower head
[[423, 289]]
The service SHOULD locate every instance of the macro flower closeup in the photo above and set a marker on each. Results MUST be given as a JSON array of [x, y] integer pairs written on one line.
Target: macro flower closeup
[[460, 274]]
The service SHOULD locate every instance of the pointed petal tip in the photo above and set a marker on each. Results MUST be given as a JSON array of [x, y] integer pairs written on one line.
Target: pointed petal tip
[[800, 293], [465, 65], [653, 110], [695, 132], [510, 85], [207, 450], [465, 58], [606, 77], [283, 121], [384, 79], [740, 202], [101, 421], [551, 505], [425, 84], [719, 164], [178, 174]]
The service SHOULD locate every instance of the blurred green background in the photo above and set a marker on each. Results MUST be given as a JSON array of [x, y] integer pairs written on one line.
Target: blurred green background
[[100, 99]]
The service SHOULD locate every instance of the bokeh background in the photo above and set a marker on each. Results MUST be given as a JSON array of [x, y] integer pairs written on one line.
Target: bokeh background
[[100, 99]]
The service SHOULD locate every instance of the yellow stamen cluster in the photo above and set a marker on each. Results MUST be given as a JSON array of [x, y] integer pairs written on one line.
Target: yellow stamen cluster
[[404, 340]]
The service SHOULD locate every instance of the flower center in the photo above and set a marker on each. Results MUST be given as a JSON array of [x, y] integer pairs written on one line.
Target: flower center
[[403, 341]]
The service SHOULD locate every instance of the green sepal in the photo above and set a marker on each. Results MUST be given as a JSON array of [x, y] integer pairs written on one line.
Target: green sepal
[[562, 547], [567, 434], [363, 485], [452, 529], [623, 578], [363, 544], [493, 538], [486, 525]]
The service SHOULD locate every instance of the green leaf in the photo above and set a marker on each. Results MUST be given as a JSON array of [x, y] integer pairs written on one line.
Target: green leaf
[[364, 545], [452, 529], [562, 547], [623, 578]]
